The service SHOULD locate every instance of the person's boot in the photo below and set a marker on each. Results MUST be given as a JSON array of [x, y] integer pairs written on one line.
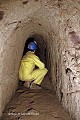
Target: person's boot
[[35, 86], [27, 84]]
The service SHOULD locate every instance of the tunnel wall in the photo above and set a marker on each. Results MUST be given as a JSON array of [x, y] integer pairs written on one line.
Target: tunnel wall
[[58, 23]]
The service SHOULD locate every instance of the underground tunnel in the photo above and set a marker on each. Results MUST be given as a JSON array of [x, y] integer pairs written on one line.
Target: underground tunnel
[[55, 25]]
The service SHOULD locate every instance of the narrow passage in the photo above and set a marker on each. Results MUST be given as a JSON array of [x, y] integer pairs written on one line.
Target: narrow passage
[[34, 104]]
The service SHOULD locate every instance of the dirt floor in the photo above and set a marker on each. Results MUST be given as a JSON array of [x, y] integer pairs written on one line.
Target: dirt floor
[[29, 104]]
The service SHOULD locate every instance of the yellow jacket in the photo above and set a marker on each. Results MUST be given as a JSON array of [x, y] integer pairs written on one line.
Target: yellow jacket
[[28, 64]]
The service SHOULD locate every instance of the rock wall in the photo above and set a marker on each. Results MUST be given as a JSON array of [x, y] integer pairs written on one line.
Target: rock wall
[[58, 23]]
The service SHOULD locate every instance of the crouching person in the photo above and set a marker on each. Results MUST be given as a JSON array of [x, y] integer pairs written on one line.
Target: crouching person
[[27, 72]]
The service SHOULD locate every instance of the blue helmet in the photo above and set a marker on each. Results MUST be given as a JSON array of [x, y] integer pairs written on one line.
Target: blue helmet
[[32, 46]]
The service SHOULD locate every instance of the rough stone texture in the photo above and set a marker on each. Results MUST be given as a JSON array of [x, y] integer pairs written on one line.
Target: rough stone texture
[[34, 104], [58, 23]]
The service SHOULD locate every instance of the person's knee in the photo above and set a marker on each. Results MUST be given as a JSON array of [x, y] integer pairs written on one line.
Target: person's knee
[[45, 70]]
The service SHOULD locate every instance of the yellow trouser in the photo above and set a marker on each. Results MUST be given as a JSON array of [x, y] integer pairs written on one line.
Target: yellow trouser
[[37, 75]]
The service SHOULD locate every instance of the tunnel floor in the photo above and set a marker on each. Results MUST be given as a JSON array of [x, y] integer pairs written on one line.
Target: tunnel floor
[[34, 104]]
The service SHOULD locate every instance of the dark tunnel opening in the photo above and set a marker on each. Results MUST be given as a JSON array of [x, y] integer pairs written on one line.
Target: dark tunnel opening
[[41, 50], [26, 44], [31, 39]]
